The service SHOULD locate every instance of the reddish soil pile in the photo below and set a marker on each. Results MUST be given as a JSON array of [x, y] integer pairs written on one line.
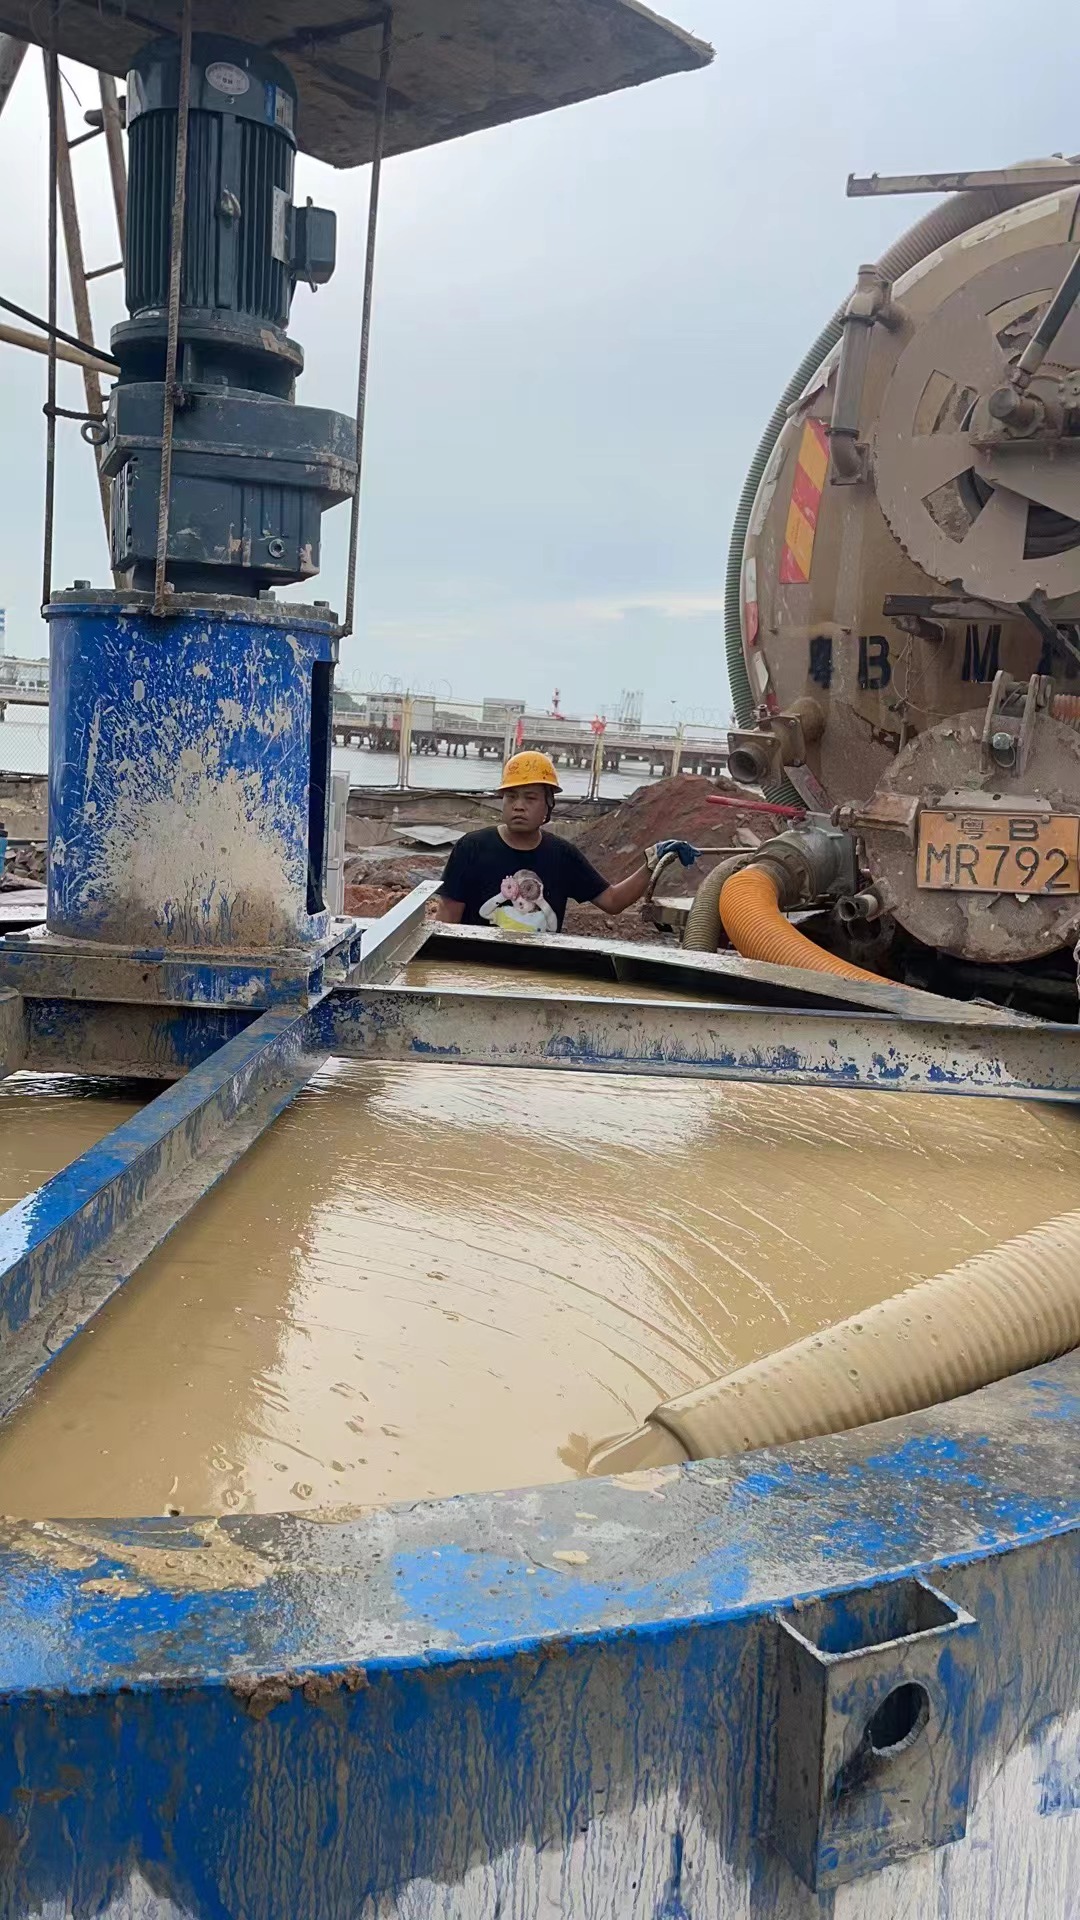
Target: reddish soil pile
[[369, 902], [677, 809], [374, 886], [588, 923]]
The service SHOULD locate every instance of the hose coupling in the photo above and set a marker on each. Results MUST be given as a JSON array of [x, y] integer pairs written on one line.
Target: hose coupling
[[809, 863], [758, 754]]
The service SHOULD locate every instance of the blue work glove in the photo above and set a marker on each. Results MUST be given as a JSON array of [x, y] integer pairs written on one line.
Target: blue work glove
[[685, 853]]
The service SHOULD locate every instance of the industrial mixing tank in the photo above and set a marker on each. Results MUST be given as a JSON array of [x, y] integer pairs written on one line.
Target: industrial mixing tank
[[908, 652], [835, 1678]]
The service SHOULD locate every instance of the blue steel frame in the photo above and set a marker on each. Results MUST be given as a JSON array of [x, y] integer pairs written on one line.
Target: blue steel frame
[[563, 1701]]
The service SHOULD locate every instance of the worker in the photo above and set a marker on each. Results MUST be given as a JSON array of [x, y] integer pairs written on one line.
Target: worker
[[518, 878]]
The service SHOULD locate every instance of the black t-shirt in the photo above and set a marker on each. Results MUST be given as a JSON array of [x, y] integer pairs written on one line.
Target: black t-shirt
[[499, 886]]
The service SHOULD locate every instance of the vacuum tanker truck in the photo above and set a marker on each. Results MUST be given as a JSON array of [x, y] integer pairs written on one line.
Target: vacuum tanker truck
[[903, 611]]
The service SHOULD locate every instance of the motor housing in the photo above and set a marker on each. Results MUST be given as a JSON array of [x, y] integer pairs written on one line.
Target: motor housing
[[252, 473]]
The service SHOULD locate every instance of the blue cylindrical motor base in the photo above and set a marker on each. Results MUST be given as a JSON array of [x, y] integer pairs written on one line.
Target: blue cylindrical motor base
[[189, 762]]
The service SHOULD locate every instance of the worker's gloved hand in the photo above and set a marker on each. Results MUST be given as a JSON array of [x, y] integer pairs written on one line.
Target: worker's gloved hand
[[681, 848]]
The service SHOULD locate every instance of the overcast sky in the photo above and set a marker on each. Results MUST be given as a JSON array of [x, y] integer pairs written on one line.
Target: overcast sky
[[581, 325]]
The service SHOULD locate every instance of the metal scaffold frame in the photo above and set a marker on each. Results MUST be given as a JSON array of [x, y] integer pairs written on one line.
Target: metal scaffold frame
[[79, 348]]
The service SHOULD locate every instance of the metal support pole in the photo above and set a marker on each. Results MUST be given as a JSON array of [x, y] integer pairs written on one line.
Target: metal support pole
[[52, 73], [114, 143], [12, 54], [596, 768], [378, 144], [176, 264], [405, 741], [80, 297]]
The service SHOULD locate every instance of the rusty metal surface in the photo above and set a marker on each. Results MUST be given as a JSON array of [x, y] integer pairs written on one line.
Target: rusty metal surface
[[886, 646], [977, 926], [1045, 173], [917, 461]]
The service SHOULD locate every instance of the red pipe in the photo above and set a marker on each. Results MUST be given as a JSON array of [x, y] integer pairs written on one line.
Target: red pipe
[[755, 806]]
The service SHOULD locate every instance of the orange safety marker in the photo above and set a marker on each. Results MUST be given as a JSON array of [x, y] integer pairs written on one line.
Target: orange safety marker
[[811, 469]]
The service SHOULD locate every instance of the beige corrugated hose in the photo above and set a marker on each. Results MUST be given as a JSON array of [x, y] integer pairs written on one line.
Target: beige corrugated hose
[[1002, 1311]]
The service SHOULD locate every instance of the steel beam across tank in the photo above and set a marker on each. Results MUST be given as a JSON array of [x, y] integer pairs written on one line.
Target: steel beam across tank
[[1033, 1060], [571, 1701]]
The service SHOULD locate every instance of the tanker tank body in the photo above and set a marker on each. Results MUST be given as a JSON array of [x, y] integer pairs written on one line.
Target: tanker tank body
[[906, 659]]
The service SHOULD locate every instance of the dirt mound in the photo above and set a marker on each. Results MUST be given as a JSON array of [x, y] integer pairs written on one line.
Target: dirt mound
[[373, 885], [368, 903], [672, 809]]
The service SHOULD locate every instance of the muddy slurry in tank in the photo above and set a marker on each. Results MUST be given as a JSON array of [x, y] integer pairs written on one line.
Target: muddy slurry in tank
[[433, 1279]]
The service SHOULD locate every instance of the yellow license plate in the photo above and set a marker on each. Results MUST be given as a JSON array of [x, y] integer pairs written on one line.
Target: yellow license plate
[[999, 852]]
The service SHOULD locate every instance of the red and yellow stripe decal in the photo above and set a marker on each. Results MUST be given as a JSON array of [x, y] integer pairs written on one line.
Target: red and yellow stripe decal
[[811, 469]]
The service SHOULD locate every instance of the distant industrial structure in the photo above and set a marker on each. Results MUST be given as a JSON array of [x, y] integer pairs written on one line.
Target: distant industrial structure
[[489, 728], [23, 682], [409, 724]]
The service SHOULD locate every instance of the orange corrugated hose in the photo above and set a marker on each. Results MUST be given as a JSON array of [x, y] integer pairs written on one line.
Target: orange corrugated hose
[[753, 922]]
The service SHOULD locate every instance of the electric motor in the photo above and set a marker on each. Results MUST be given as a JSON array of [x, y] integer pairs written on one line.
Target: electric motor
[[252, 473]]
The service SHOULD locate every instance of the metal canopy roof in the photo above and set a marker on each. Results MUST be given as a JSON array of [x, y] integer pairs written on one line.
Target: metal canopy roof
[[458, 65]]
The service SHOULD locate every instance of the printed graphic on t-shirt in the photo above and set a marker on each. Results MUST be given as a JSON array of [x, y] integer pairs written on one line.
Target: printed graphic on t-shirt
[[519, 906]]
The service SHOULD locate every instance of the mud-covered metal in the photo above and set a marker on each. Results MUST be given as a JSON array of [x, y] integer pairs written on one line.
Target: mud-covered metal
[[980, 519], [1025, 1060], [885, 642], [553, 1702], [12, 1034], [189, 765], [942, 555], [93, 973], [874, 1729], [950, 759], [556, 1701], [67, 1246]]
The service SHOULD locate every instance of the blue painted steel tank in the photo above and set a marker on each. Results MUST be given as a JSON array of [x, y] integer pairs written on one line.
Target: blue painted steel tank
[[189, 763]]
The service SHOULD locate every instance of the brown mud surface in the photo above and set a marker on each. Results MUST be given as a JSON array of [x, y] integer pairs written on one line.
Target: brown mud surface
[[429, 1279]]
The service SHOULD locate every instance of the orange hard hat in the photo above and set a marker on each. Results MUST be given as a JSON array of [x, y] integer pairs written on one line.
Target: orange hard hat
[[529, 770]]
